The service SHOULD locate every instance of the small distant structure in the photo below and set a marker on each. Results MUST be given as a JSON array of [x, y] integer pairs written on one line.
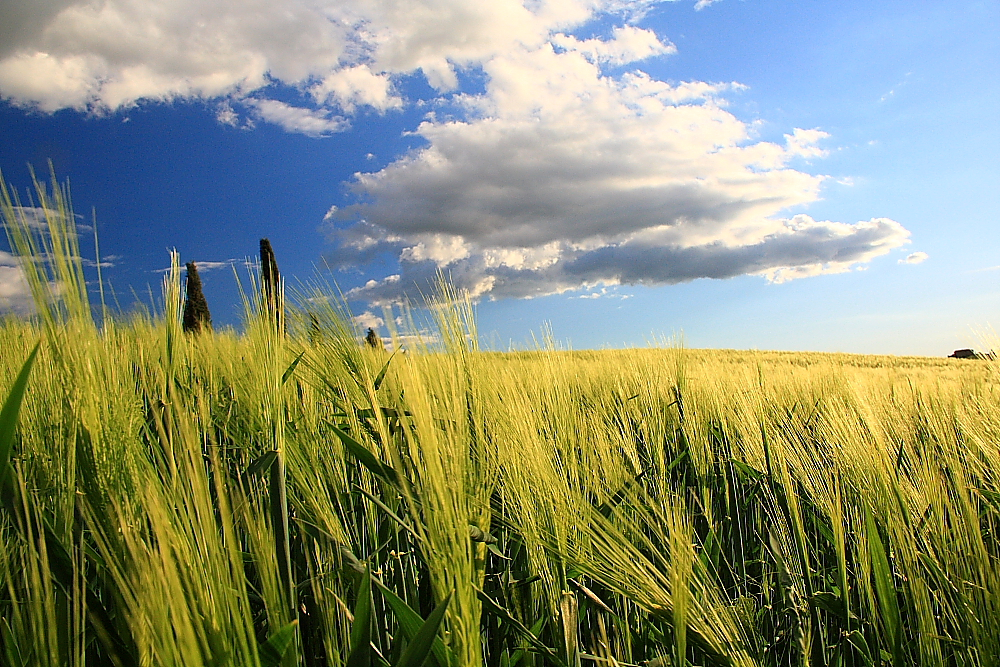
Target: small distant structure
[[971, 354], [373, 340]]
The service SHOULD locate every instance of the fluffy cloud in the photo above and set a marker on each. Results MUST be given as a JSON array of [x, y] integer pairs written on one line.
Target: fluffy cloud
[[353, 86], [110, 54], [563, 153], [804, 143], [627, 45], [311, 122], [15, 295], [368, 320], [565, 177], [801, 247], [225, 115], [107, 55]]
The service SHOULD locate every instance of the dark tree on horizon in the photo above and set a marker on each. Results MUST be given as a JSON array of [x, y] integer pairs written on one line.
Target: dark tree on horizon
[[196, 315], [271, 283], [373, 340]]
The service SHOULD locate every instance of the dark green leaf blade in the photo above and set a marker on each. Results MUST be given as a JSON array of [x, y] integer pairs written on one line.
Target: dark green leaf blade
[[493, 607], [9, 413], [366, 458], [291, 368], [381, 374], [361, 628], [274, 649], [410, 623], [420, 646], [885, 589], [260, 464]]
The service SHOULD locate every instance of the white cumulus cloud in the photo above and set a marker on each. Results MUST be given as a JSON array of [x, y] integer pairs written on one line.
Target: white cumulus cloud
[[804, 143], [311, 122], [225, 115], [15, 294], [564, 177], [355, 86], [111, 54], [627, 45], [368, 320]]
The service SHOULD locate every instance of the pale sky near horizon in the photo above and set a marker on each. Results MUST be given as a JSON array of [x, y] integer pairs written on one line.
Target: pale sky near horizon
[[761, 174]]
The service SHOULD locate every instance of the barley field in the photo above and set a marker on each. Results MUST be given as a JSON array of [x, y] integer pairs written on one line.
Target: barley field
[[290, 496]]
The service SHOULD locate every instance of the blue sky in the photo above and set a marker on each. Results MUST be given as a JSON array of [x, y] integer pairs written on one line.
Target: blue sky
[[753, 173]]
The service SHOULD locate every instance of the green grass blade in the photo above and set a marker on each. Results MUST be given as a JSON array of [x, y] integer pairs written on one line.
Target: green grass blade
[[410, 623], [361, 628], [858, 643], [9, 413], [381, 374], [291, 368], [278, 506], [493, 607], [749, 472], [273, 651], [12, 650], [260, 464], [420, 646], [885, 590], [388, 512], [367, 459], [831, 603]]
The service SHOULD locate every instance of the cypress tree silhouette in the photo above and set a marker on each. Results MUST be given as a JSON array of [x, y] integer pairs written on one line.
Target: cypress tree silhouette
[[271, 284], [373, 340], [196, 315]]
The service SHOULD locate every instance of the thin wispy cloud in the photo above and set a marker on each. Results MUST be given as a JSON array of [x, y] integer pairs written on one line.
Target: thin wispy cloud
[[206, 266], [988, 268], [603, 293], [37, 218], [892, 92], [34, 217], [212, 266], [914, 258], [311, 122]]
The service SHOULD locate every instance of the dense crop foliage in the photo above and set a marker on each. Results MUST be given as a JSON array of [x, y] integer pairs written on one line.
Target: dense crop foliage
[[291, 496]]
